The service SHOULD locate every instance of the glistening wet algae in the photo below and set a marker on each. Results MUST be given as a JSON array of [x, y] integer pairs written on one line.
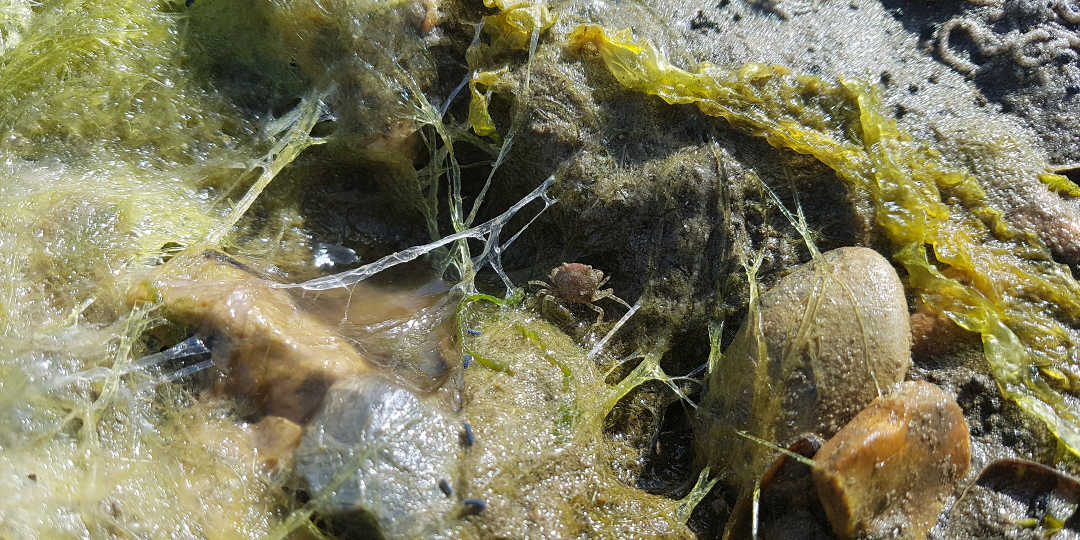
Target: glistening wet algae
[[962, 258]]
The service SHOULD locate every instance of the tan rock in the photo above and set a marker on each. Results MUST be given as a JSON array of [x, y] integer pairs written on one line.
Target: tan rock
[[811, 355], [275, 439], [887, 472], [275, 355]]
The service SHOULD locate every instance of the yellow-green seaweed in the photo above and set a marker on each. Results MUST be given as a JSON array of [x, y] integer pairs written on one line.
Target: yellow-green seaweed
[[962, 258], [1060, 184], [515, 23], [107, 78], [479, 117]]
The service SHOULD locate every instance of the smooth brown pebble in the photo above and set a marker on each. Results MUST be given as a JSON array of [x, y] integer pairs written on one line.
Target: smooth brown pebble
[[887, 473]]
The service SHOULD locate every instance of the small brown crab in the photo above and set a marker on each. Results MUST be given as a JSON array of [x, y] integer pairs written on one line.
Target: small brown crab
[[576, 283]]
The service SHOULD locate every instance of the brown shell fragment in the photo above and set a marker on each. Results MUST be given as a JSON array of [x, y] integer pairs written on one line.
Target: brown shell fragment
[[887, 472], [787, 502], [1029, 498]]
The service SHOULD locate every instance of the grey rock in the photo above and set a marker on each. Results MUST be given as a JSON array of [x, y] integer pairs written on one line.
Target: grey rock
[[372, 459], [826, 333]]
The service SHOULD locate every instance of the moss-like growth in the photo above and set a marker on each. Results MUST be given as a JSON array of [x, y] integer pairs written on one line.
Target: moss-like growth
[[541, 458], [91, 78]]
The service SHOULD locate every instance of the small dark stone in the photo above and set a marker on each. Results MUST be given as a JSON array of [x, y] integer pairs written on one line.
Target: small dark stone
[[702, 22], [467, 437], [474, 506]]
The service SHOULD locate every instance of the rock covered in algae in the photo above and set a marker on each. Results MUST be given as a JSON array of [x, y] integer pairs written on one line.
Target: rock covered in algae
[[524, 456], [953, 228], [887, 472], [373, 457], [540, 458], [813, 352]]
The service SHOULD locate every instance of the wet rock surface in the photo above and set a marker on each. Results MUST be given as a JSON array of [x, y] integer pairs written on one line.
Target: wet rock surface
[[829, 335], [1024, 498], [660, 197], [643, 196], [279, 358], [376, 452], [1021, 54]]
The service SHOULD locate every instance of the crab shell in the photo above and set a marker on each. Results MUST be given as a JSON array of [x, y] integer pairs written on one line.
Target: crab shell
[[576, 282]]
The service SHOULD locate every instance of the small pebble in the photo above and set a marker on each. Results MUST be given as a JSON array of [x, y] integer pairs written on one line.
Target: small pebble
[[328, 256], [474, 506], [468, 360], [894, 464], [468, 437], [444, 486], [472, 332]]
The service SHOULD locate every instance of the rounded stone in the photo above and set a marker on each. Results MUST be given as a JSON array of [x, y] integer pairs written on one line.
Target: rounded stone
[[887, 473], [818, 347], [373, 457]]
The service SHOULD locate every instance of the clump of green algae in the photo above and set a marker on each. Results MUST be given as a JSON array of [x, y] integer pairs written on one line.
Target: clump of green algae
[[538, 403], [962, 258]]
